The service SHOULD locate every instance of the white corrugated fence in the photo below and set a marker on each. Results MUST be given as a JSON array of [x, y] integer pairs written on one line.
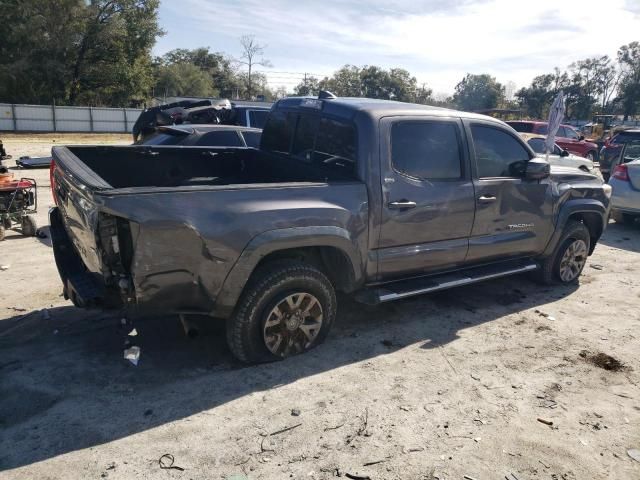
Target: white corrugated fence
[[52, 118]]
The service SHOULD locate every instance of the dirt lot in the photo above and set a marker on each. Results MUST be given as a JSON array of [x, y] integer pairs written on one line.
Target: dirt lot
[[439, 386]]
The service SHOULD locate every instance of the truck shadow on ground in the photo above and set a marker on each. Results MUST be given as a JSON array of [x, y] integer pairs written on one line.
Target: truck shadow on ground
[[66, 387]]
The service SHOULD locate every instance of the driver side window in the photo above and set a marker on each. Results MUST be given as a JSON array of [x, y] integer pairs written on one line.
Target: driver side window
[[498, 154]]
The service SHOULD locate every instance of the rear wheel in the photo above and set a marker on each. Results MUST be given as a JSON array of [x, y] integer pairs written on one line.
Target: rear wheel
[[567, 261], [29, 226], [286, 309]]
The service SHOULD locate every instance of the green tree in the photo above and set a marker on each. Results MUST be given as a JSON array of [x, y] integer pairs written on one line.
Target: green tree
[[183, 79], [77, 51], [629, 91], [308, 86], [215, 64], [478, 92]]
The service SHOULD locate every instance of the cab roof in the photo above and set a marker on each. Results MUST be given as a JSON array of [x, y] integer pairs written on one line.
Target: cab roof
[[348, 107]]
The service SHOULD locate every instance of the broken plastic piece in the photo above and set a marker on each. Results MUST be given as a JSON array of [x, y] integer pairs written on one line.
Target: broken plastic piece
[[132, 354]]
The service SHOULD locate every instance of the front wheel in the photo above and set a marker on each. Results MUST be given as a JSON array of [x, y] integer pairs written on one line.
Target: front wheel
[[567, 261], [286, 309]]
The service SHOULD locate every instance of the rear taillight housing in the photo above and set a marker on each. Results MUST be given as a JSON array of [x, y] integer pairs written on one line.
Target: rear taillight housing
[[621, 173], [52, 181]]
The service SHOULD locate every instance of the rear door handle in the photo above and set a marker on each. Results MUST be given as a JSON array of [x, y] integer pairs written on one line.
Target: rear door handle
[[401, 205], [487, 199]]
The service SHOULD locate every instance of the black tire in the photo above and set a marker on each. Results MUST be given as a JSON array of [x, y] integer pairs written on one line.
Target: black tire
[[1, 233], [29, 226], [623, 218], [268, 288], [549, 272]]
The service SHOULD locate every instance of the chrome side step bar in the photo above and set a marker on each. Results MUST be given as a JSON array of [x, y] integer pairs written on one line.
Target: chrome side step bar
[[409, 288]]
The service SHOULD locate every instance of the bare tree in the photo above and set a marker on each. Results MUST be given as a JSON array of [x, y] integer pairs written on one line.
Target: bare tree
[[252, 54]]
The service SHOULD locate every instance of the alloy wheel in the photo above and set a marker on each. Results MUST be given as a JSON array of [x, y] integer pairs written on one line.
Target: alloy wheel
[[573, 260], [293, 324]]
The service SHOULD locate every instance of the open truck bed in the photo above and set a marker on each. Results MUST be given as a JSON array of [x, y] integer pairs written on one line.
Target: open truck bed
[[145, 225]]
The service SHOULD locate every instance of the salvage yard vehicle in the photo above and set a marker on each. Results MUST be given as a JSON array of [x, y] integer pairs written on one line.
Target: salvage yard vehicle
[[204, 135], [567, 137], [612, 148], [625, 181], [378, 199], [559, 156]]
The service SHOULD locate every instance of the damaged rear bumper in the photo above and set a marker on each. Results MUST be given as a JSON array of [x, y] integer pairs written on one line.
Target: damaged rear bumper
[[84, 288]]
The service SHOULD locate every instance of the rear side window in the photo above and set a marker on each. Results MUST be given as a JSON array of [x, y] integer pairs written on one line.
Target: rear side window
[[225, 138], [323, 142], [498, 154], [252, 139], [257, 118], [426, 150], [278, 131], [336, 145]]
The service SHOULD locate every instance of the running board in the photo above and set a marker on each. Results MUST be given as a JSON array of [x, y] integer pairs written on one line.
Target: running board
[[418, 286]]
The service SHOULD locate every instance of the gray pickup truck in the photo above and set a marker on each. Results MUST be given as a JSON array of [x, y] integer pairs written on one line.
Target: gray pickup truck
[[378, 199]]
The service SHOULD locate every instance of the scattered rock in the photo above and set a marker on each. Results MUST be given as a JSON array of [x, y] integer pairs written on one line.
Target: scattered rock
[[295, 412]]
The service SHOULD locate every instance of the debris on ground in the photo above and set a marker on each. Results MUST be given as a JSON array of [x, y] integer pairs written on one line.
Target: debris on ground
[[596, 266], [468, 477], [167, 461], [5, 267], [634, 453], [546, 422], [295, 412], [545, 315], [357, 477], [133, 333], [603, 360], [132, 354]]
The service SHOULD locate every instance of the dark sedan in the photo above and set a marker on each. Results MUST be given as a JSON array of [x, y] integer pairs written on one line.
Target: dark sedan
[[204, 136]]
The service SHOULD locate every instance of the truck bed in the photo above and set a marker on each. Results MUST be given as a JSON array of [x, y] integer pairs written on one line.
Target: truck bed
[[143, 166], [164, 223]]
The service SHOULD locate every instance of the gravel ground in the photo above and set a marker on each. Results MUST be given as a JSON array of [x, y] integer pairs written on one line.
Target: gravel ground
[[438, 386]]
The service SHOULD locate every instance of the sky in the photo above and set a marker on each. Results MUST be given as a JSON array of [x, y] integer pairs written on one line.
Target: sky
[[438, 41]]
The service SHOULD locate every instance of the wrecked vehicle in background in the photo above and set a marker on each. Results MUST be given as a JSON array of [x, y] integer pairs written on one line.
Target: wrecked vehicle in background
[[381, 200], [221, 112]]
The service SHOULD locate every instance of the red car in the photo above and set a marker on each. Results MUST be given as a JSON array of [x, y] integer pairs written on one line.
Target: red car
[[567, 137]]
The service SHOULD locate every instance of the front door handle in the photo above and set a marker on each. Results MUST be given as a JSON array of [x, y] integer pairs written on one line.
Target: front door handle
[[487, 199], [401, 205]]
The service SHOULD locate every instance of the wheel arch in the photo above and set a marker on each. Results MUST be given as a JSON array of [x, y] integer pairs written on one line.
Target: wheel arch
[[592, 213], [330, 249]]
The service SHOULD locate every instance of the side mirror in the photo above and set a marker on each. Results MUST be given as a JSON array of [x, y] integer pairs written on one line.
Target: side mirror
[[564, 153], [581, 137], [537, 169]]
